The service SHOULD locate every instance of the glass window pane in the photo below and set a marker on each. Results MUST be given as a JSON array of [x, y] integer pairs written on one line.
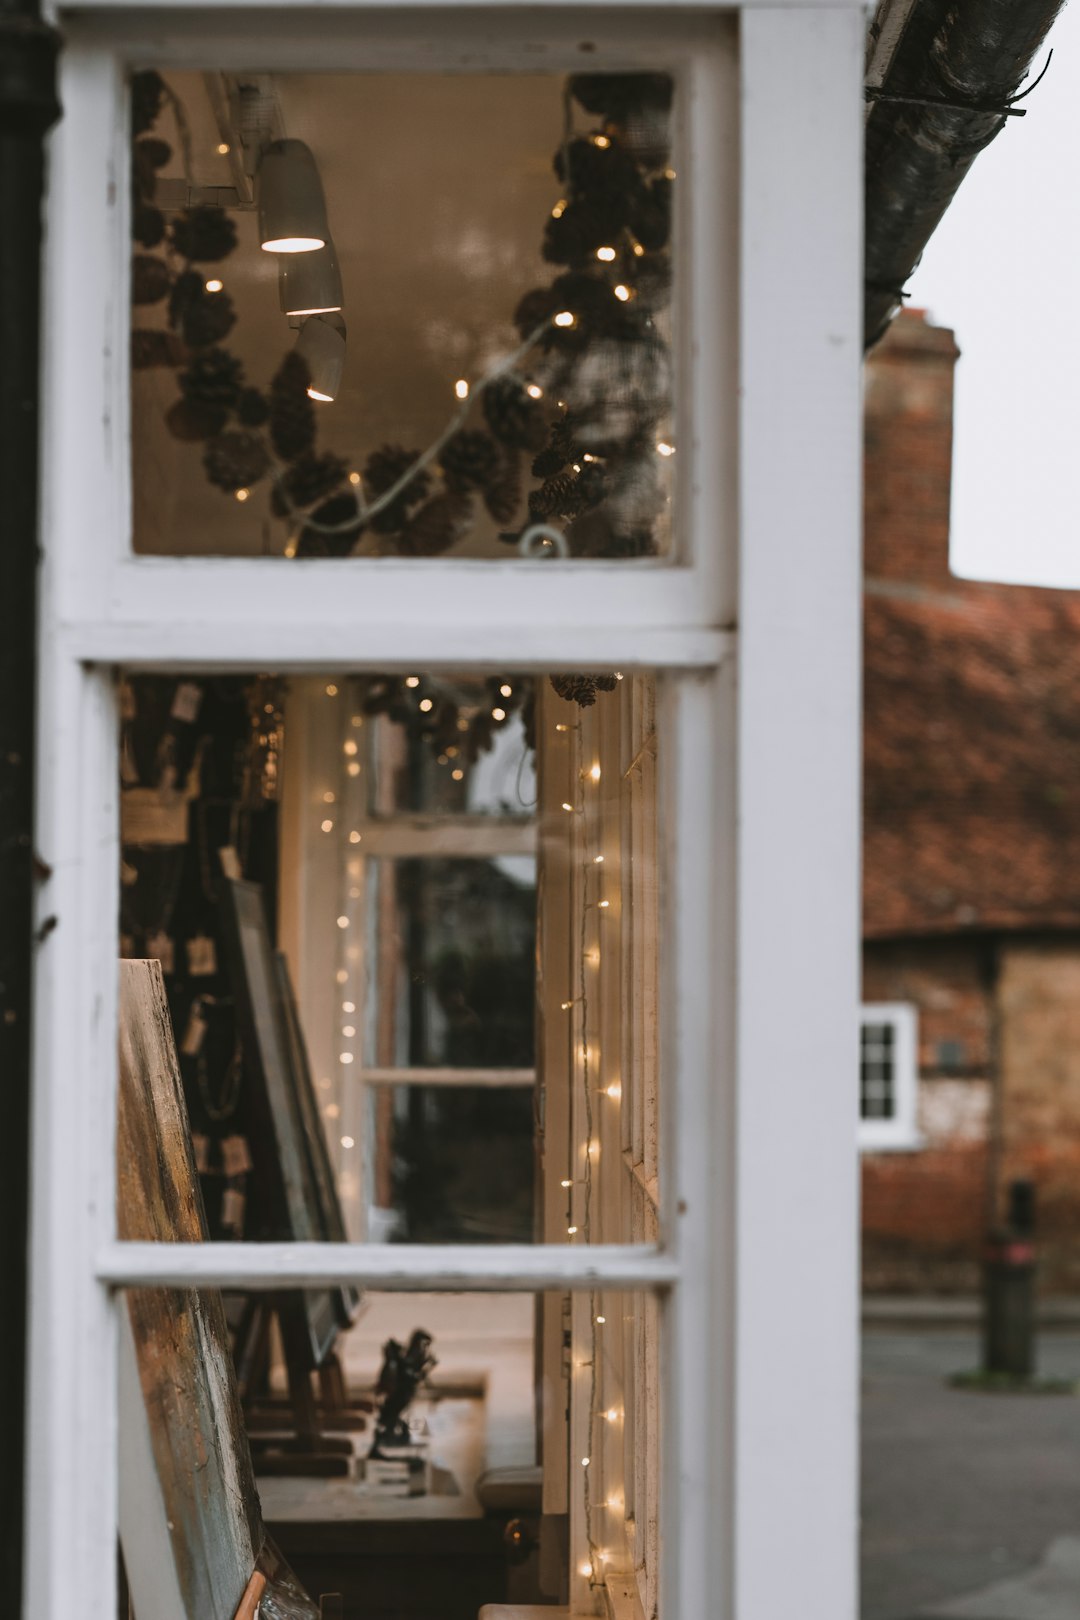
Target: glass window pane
[[350, 338], [411, 1025]]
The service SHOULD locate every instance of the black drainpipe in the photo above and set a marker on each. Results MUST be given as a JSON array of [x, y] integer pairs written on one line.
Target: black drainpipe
[[947, 93], [28, 105]]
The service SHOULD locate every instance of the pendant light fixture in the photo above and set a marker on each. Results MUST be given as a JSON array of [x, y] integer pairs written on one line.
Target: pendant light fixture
[[322, 345], [292, 209], [310, 283]]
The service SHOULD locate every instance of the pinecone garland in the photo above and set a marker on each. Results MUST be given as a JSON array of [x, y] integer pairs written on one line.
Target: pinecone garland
[[502, 496], [292, 415], [471, 460], [213, 378], [252, 408], [206, 234], [437, 526], [150, 279], [147, 94], [579, 689], [311, 478], [514, 417], [382, 470], [236, 460]]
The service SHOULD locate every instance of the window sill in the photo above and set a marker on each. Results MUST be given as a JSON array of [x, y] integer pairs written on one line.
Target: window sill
[[901, 1142]]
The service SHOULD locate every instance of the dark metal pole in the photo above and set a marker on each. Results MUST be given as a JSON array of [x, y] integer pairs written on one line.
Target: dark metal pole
[[28, 105]]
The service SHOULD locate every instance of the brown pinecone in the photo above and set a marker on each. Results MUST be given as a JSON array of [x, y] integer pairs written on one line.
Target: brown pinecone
[[147, 224], [147, 157], [292, 415], [206, 234], [151, 347], [559, 450], [592, 484], [502, 497], [150, 279], [515, 418], [579, 689], [606, 683], [236, 460], [437, 526], [207, 318], [311, 478], [382, 470], [557, 497], [338, 509], [252, 408], [471, 460], [191, 420], [147, 94], [213, 378]]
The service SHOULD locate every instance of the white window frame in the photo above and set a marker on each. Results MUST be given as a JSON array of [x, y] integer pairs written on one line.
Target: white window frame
[[757, 633], [901, 1132]]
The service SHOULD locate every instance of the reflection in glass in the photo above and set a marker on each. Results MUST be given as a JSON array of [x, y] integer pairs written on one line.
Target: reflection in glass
[[344, 343]]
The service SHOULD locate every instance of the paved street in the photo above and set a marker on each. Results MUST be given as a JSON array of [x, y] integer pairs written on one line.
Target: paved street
[[966, 1495]]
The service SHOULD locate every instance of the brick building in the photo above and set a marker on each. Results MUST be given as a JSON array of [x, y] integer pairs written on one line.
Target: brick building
[[971, 1033]]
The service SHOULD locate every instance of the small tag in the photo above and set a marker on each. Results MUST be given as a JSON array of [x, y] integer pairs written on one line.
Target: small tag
[[200, 1146], [187, 702], [232, 1208], [235, 1157], [195, 1033], [201, 956], [160, 945], [127, 700], [230, 862]]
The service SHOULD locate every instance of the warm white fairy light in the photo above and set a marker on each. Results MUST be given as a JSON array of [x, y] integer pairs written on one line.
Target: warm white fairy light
[[348, 1006], [347, 1142], [623, 293], [346, 1057], [564, 318], [331, 690], [426, 705], [242, 494], [604, 904], [605, 254], [498, 714], [332, 1111], [566, 1183], [594, 771], [343, 922], [355, 837], [598, 860], [328, 797], [354, 478], [350, 747], [412, 680], [560, 726], [600, 1320], [348, 1030], [461, 388], [664, 449], [353, 769], [341, 976], [213, 285], [534, 391], [506, 690], [559, 209], [457, 775], [327, 825], [600, 140], [585, 1571], [585, 1461], [568, 807], [613, 1414], [614, 1090], [571, 1231]]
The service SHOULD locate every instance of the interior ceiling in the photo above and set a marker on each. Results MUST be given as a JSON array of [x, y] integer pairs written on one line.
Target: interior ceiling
[[437, 191]]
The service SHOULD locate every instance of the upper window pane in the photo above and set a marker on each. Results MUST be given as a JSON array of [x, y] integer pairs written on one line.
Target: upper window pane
[[402, 315]]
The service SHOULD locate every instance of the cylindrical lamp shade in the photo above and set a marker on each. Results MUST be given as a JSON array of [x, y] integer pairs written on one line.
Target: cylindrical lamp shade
[[292, 208], [310, 283], [322, 345]]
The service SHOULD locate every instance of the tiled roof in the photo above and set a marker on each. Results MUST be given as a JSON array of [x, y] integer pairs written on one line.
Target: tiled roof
[[972, 758]]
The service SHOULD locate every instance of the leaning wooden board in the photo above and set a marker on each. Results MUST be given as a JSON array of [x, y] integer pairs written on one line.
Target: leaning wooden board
[[190, 1521]]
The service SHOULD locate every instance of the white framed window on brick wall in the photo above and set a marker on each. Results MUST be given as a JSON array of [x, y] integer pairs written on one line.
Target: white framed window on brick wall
[[748, 634], [888, 1076]]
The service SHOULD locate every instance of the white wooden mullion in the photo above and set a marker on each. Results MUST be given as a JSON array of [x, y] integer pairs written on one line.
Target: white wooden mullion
[[414, 1267], [798, 822]]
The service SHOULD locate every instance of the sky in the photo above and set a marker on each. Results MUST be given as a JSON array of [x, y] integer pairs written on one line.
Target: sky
[[1003, 270]]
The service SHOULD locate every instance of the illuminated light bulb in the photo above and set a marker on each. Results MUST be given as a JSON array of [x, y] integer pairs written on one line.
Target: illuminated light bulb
[[639, 251], [343, 922], [534, 391], [618, 675], [353, 769], [327, 826], [242, 494], [346, 1057], [292, 209], [559, 209], [331, 690], [290, 547], [331, 1110], [506, 689], [585, 1570], [598, 860], [665, 449], [354, 478], [566, 1005], [570, 1230], [443, 760], [325, 1084], [601, 1320], [453, 751], [347, 1142], [463, 724], [560, 727], [412, 681], [223, 149], [594, 772], [604, 904], [357, 720], [461, 388], [669, 174], [566, 1183], [426, 705], [328, 797], [348, 1006], [585, 1461], [213, 285], [623, 293], [612, 1415], [354, 837], [600, 140], [341, 976], [457, 775], [498, 714], [564, 318], [588, 457], [348, 1030], [577, 466], [593, 1150], [568, 807], [614, 1090], [593, 957], [606, 254], [350, 747]]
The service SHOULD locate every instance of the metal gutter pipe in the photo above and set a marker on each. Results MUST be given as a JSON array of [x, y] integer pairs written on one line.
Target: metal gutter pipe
[[28, 105], [948, 90]]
